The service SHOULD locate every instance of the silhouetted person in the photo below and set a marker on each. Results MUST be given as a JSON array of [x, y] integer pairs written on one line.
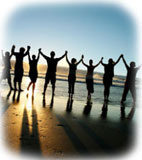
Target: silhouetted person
[[108, 76], [18, 72], [89, 76], [33, 73], [130, 80], [72, 74], [51, 70], [6, 70]]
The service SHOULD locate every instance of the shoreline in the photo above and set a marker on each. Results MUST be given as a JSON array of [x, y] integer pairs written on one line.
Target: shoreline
[[79, 79]]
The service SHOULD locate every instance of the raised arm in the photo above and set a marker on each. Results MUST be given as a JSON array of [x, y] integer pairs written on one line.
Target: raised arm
[[118, 59], [102, 61], [67, 59], [80, 60], [138, 67], [43, 55], [84, 63], [126, 65], [29, 57], [98, 63], [13, 50], [62, 56], [27, 52], [38, 55], [2, 54], [10, 56]]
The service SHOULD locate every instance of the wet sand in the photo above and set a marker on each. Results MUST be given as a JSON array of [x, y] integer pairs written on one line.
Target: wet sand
[[62, 127]]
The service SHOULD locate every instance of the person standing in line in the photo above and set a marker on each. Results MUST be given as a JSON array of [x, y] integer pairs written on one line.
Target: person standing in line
[[18, 72], [33, 73], [89, 76], [108, 76], [6, 70], [130, 80], [72, 74], [51, 70]]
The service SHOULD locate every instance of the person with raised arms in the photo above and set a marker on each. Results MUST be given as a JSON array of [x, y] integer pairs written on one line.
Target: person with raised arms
[[89, 76], [130, 80], [108, 76], [6, 69], [72, 74], [51, 70], [33, 73], [19, 70]]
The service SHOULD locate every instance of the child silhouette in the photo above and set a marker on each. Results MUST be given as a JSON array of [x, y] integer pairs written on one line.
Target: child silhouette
[[89, 76], [6, 70], [33, 73], [72, 74]]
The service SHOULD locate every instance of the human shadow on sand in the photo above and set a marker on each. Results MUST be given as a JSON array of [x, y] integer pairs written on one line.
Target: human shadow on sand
[[30, 143], [104, 110], [130, 114]]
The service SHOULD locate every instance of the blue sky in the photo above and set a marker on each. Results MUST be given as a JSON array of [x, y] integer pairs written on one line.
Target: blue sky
[[94, 30]]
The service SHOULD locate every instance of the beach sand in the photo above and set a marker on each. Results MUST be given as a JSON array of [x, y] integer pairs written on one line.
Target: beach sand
[[56, 127]]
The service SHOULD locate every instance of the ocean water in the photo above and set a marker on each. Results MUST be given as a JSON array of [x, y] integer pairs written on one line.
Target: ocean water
[[61, 90], [81, 91]]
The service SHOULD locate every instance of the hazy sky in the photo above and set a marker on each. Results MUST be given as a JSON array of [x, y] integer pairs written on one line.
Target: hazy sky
[[93, 30]]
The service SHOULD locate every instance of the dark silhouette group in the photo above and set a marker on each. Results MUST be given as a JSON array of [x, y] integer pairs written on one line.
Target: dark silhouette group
[[51, 73]]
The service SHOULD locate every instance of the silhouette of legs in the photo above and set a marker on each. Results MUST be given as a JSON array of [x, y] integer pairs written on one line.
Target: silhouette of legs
[[53, 89], [106, 92], [9, 82], [15, 88], [90, 86], [45, 86], [29, 85], [125, 92], [133, 92], [33, 87], [53, 81], [71, 88], [47, 78], [19, 84]]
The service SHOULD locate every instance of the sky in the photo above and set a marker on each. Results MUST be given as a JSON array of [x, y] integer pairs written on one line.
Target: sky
[[94, 30]]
